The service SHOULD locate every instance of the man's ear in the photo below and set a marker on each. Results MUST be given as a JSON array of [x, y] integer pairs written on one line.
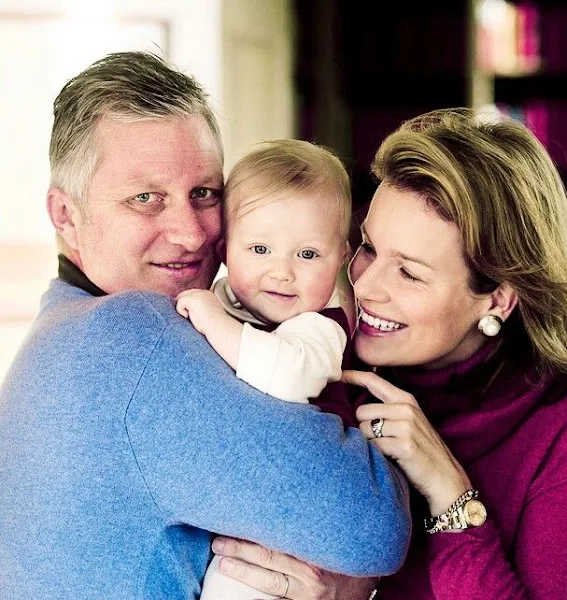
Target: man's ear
[[220, 249], [64, 215], [504, 299]]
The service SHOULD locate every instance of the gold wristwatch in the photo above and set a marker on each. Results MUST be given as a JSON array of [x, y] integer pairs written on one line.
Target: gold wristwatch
[[465, 512]]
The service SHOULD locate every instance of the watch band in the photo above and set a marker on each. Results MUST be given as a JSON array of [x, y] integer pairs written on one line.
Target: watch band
[[453, 518]]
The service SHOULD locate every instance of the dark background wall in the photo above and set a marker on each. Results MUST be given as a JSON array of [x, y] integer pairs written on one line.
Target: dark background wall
[[363, 67]]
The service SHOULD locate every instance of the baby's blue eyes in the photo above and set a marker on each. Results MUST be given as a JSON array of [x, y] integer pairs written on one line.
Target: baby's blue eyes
[[306, 254]]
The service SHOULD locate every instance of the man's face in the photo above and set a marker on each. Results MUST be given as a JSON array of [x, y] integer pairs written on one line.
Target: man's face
[[153, 212]]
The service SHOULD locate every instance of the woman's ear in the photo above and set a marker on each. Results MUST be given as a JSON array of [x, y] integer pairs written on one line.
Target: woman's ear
[[64, 215], [504, 299]]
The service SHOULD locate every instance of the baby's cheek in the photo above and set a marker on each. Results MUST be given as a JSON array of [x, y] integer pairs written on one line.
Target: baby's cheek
[[319, 292]]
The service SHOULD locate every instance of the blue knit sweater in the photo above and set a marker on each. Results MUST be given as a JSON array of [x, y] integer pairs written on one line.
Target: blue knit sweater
[[125, 441]]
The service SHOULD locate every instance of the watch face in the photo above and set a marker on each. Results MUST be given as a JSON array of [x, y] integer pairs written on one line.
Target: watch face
[[474, 512]]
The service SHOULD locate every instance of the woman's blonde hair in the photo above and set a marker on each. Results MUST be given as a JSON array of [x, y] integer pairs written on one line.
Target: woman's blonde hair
[[494, 179], [277, 167]]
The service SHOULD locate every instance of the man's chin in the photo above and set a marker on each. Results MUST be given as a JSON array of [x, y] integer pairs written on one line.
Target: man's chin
[[174, 288]]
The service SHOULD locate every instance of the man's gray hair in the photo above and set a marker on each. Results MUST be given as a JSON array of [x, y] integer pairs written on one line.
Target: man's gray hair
[[128, 86]]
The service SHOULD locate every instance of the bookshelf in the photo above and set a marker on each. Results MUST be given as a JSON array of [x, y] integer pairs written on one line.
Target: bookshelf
[[361, 68], [520, 66]]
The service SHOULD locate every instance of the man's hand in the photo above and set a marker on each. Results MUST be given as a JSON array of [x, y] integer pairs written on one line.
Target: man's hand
[[276, 573]]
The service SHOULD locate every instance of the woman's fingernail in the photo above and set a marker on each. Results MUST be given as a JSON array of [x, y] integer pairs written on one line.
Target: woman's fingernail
[[218, 545]]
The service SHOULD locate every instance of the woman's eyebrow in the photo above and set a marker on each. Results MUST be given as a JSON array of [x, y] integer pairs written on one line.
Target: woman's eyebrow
[[401, 255]]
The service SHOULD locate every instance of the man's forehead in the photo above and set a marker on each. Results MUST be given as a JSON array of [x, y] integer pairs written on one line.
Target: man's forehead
[[156, 153]]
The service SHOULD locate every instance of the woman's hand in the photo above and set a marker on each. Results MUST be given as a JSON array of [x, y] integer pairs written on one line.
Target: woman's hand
[[410, 439], [277, 574]]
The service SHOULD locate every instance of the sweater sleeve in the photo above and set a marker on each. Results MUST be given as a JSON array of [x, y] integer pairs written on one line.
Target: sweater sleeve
[[295, 361], [473, 564], [216, 454]]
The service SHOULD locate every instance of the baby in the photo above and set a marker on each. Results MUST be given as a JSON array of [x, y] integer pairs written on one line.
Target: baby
[[276, 319]]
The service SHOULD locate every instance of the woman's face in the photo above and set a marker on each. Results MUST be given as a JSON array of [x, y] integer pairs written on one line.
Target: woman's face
[[411, 283]]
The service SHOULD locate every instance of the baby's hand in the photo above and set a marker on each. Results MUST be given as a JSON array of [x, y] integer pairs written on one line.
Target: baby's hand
[[200, 306]]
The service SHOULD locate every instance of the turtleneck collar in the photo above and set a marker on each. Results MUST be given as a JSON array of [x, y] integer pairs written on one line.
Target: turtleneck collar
[[476, 403], [69, 272]]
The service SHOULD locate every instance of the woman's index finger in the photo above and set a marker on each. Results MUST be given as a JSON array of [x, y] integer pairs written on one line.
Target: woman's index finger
[[379, 387]]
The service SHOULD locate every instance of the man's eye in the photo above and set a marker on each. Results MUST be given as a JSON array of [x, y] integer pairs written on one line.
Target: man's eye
[[144, 198], [308, 254], [367, 248], [204, 197], [259, 249]]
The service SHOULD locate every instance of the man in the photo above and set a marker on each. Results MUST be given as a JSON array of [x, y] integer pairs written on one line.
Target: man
[[124, 439]]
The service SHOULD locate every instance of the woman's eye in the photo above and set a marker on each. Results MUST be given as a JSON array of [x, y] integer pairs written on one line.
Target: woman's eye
[[408, 275], [259, 249], [367, 248], [204, 197], [308, 254]]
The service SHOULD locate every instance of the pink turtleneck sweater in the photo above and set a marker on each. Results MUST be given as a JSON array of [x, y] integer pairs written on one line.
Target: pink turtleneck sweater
[[512, 442]]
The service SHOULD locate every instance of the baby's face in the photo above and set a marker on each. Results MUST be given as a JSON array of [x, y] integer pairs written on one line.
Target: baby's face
[[284, 256]]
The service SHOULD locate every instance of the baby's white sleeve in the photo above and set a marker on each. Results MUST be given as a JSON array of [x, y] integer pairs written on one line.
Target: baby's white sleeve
[[295, 361]]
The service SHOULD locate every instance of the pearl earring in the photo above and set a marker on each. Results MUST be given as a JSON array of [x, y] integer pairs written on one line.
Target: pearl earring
[[490, 325]]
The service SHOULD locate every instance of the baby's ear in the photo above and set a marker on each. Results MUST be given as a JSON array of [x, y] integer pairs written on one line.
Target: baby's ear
[[220, 249]]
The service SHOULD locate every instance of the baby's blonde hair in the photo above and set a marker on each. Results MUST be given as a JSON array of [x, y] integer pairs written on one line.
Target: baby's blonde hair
[[277, 167]]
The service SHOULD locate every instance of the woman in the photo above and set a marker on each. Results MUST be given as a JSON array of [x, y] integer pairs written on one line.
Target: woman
[[461, 281]]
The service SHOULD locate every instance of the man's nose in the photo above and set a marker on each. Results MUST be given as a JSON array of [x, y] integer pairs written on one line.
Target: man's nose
[[182, 226]]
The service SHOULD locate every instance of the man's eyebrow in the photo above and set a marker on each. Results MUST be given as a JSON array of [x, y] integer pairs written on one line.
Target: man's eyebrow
[[148, 182], [401, 255], [214, 180]]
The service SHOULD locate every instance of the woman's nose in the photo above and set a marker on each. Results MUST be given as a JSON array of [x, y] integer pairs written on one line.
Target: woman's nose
[[370, 283]]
